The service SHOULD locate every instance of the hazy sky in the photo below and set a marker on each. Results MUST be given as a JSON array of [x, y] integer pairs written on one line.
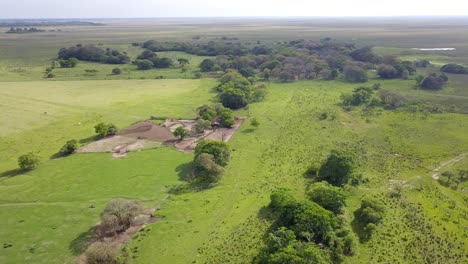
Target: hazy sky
[[218, 8]]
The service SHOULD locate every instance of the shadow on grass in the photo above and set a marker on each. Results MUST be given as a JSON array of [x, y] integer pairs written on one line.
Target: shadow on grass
[[358, 229], [185, 171], [248, 130], [79, 245], [11, 173]]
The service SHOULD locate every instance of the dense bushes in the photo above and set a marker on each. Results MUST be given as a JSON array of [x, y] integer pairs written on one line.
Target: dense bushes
[[69, 63], [454, 68], [355, 74], [216, 113], [369, 214], [148, 60], [337, 168], [327, 196], [118, 216], [28, 161], [105, 130], [431, 82], [94, 54], [453, 179], [361, 95]]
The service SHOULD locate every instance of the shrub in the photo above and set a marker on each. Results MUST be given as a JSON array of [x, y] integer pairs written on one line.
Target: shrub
[[206, 112], [432, 82], [69, 147], [102, 253], [181, 132], [233, 98], [387, 72], [201, 125], [454, 68], [359, 96], [28, 161], [207, 169], [338, 168], [226, 118], [254, 122], [116, 71], [327, 196], [355, 74], [218, 149], [370, 214], [104, 130], [118, 216], [69, 63], [143, 64]]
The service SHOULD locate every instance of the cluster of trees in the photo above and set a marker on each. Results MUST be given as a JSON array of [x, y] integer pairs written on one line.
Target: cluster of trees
[[366, 96], [453, 179], [148, 60], [217, 113], [94, 54], [209, 161], [394, 68], [212, 48], [104, 130], [454, 68], [19, 30], [308, 232], [236, 91], [369, 215], [431, 81]]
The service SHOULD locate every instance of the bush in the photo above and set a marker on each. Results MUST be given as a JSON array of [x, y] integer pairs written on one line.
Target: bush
[[233, 98], [360, 95], [327, 196], [207, 169], [432, 82], [102, 253], [28, 161], [226, 118], [387, 72], [69, 147], [116, 71], [206, 112], [338, 168], [254, 122], [370, 214], [143, 64], [218, 149], [181, 132], [355, 74], [201, 125], [454, 68], [104, 130], [69, 63], [118, 216]]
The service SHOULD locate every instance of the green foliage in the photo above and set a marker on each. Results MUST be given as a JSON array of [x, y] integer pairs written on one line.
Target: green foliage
[[369, 214], [355, 74], [102, 253], [93, 53], [207, 65], [453, 179], [28, 161], [218, 149], [279, 199], [143, 64], [361, 95], [69, 63], [337, 168], [118, 216], [69, 147], [206, 169], [206, 112], [105, 130], [432, 82], [181, 132], [254, 122], [201, 125], [454, 68], [327, 196], [226, 118], [233, 98]]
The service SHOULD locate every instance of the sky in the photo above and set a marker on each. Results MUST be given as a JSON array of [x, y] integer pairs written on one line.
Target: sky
[[232, 8]]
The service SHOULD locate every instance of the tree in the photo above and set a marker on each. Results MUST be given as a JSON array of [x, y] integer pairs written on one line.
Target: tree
[[233, 98], [338, 168], [370, 213], [454, 68], [218, 149], [28, 161], [69, 63], [181, 132], [118, 216], [207, 65], [105, 130], [360, 95], [387, 71], [254, 122], [207, 169], [69, 147], [116, 71], [432, 82], [327, 196], [183, 61], [201, 125], [206, 112], [143, 64], [355, 74], [226, 118]]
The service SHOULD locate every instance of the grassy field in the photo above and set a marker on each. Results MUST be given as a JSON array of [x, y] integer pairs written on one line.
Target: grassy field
[[48, 213]]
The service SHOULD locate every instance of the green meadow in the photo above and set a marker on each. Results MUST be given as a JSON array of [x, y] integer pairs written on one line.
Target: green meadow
[[48, 214]]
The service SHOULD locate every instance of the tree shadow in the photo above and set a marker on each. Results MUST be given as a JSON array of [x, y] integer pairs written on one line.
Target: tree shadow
[[58, 155], [79, 245], [248, 130], [11, 173], [185, 171], [358, 229]]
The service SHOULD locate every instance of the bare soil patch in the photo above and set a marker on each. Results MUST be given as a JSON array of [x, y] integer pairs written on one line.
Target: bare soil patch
[[148, 130]]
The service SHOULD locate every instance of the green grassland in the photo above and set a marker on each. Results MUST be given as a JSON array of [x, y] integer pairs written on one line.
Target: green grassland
[[47, 214]]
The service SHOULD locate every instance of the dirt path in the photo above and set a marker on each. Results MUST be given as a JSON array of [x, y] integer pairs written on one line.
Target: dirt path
[[436, 172]]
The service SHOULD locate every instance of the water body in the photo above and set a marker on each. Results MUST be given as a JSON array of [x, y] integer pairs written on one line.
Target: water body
[[434, 49]]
